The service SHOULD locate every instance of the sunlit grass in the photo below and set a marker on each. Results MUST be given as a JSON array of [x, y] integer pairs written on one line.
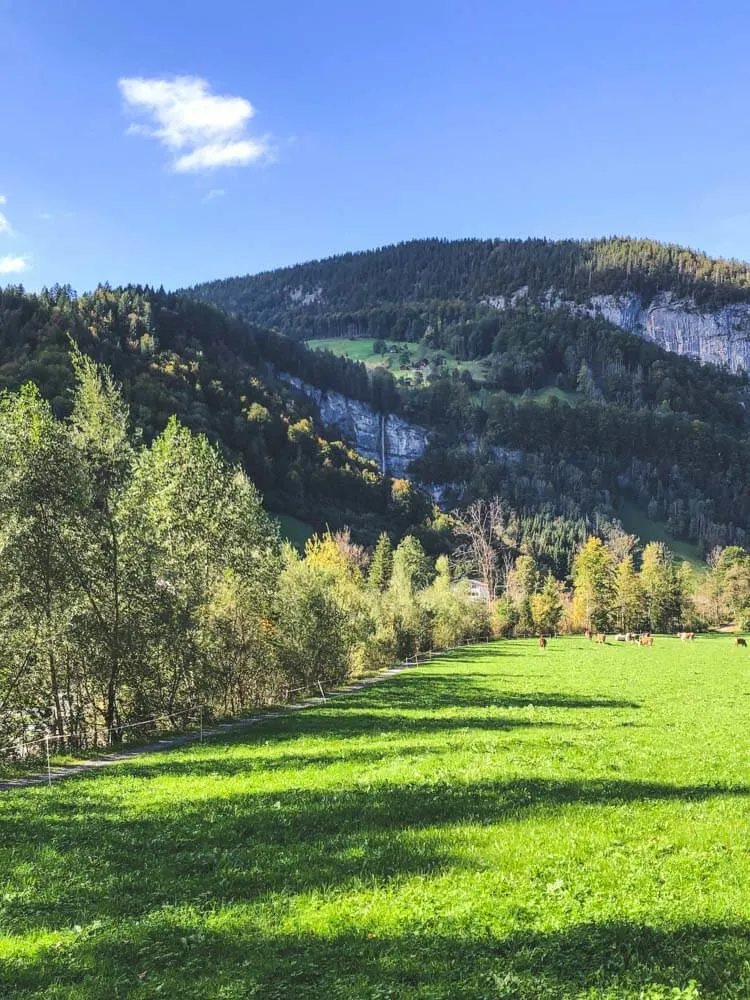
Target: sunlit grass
[[503, 823], [637, 521], [361, 349]]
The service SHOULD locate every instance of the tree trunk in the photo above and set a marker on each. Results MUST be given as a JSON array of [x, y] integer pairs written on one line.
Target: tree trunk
[[114, 670]]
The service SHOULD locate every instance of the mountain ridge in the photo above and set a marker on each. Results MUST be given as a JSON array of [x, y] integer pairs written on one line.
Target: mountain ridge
[[679, 298]]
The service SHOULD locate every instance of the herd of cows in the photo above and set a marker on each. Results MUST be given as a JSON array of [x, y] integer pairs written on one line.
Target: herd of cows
[[640, 638]]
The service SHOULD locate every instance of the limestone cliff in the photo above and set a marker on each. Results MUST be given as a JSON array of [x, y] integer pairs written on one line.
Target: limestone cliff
[[389, 440], [721, 337]]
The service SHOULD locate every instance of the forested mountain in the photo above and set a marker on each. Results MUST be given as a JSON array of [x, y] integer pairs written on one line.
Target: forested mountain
[[563, 414], [637, 423], [217, 375], [178, 357], [308, 298]]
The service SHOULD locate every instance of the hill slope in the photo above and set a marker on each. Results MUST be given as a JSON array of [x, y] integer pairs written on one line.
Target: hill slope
[[681, 299], [506, 333], [175, 356], [524, 388]]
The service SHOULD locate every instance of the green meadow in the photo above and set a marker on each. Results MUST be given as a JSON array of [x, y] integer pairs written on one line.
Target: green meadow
[[361, 349], [503, 822]]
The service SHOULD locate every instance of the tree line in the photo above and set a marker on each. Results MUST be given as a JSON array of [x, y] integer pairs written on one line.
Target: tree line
[[140, 579], [614, 583]]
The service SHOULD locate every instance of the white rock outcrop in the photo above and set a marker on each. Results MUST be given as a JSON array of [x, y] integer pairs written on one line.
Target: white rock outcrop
[[721, 336], [389, 440]]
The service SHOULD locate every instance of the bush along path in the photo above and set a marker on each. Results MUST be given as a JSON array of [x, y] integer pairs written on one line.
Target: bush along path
[[60, 771]]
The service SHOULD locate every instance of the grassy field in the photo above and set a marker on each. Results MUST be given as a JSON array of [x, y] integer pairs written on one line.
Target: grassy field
[[293, 530], [637, 522], [360, 349], [503, 823]]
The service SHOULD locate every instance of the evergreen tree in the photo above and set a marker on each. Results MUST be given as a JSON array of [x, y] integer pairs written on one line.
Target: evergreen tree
[[547, 607], [381, 567], [525, 623], [411, 567], [660, 585]]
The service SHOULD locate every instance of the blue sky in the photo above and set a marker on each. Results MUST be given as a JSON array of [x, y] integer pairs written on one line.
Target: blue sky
[[167, 143]]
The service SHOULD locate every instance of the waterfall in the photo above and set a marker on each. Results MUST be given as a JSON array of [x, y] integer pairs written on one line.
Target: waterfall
[[383, 419]]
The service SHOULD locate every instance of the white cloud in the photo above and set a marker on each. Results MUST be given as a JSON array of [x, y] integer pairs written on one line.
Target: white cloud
[[216, 154], [3, 199], [203, 131], [13, 265], [5, 226], [214, 193]]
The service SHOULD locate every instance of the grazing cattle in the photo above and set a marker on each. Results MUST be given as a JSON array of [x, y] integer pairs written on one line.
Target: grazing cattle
[[647, 639], [687, 636], [601, 638], [739, 641], [621, 637], [542, 642], [588, 633]]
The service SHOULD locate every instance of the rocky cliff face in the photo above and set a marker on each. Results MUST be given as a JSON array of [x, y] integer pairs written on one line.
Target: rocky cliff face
[[389, 440], [721, 337]]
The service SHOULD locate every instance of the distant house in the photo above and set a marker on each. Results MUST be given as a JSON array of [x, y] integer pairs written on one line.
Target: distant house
[[478, 590]]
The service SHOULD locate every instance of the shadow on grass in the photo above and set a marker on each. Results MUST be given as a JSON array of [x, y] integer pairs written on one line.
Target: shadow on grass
[[462, 691], [336, 723], [101, 860], [368, 726], [623, 960]]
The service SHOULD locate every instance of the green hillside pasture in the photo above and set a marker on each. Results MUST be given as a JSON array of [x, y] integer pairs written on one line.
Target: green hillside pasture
[[552, 392], [293, 530], [540, 395], [637, 522], [360, 349], [506, 822]]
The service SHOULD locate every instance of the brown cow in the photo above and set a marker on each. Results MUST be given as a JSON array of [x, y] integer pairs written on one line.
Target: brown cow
[[687, 636], [739, 641], [588, 633], [542, 642], [647, 639], [601, 638]]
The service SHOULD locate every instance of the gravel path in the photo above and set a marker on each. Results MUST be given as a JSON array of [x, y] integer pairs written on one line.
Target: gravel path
[[106, 760]]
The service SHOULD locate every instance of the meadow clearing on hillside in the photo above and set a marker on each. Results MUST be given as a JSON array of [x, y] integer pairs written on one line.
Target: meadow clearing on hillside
[[504, 822], [362, 349]]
